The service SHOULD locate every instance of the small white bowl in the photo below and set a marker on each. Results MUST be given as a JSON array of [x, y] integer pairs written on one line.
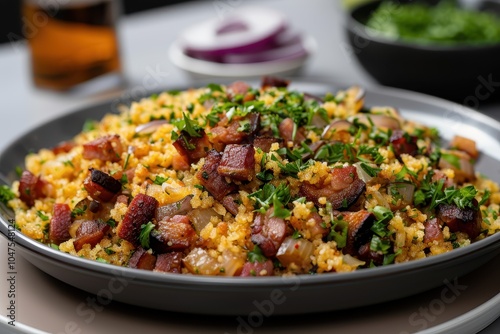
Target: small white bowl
[[202, 69]]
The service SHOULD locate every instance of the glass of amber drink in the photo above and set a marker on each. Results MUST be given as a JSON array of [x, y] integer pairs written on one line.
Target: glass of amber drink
[[72, 42]]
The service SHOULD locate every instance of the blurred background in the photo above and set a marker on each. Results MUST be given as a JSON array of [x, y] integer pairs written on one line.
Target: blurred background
[[10, 13]]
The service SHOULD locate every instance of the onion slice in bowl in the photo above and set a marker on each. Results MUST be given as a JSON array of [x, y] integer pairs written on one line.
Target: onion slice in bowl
[[256, 30], [293, 50]]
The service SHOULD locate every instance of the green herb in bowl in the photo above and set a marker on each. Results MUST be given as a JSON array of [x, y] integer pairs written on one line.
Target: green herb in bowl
[[444, 23]]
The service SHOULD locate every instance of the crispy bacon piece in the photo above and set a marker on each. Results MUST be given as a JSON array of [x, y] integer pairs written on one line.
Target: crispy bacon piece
[[140, 211], [359, 230], [342, 188], [90, 232], [239, 88], [31, 187], [238, 162], [107, 148], [269, 81], [101, 186], [268, 232], [238, 130], [257, 268], [265, 142], [402, 143], [432, 231], [215, 183], [123, 199], [466, 220], [286, 131], [317, 228], [63, 147], [173, 234], [169, 263], [230, 202], [180, 163], [60, 223], [142, 259], [192, 148], [366, 254]]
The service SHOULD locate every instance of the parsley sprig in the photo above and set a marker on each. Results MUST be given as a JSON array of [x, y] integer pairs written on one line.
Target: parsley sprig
[[6, 194], [144, 235], [256, 255], [433, 194], [269, 195]]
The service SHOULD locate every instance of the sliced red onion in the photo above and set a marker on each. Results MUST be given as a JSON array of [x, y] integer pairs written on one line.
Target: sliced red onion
[[250, 29], [150, 127], [287, 45], [286, 52]]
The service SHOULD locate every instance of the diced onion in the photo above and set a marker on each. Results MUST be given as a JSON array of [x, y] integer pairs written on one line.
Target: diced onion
[[201, 217], [352, 261], [232, 264], [178, 208], [199, 262], [361, 172], [154, 190], [296, 251], [405, 189]]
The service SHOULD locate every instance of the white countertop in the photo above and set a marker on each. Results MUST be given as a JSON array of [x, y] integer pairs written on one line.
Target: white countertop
[[145, 38]]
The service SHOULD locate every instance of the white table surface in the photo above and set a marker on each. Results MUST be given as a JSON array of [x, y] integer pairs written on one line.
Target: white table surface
[[145, 38]]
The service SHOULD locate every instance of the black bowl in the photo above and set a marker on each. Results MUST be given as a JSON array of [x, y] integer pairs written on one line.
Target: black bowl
[[468, 74]]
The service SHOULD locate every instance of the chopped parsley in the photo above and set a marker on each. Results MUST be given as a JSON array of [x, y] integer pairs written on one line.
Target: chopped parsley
[[188, 126], [338, 231], [371, 171], [89, 125], [256, 255], [269, 195], [433, 193], [78, 211], [144, 235], [6, 194], [159, 180], [42, 215]]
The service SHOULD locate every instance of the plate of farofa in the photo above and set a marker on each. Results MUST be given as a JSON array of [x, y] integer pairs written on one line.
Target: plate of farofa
[[221, 197]]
